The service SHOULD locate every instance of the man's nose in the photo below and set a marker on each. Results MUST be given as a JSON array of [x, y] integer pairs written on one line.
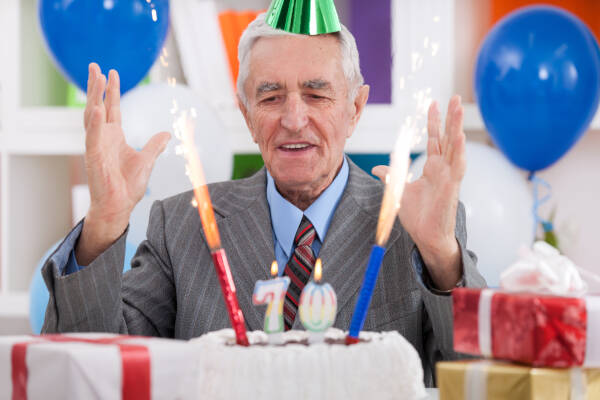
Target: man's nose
[[295, 114]]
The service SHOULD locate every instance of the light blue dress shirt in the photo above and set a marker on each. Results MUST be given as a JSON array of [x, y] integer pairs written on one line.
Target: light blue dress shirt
[[286, 217]]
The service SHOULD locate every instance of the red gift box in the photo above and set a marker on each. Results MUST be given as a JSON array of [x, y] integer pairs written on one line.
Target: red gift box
[[538, 330]]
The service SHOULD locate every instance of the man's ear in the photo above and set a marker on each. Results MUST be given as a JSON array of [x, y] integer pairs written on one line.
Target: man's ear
[[246, 115], [358, 106]]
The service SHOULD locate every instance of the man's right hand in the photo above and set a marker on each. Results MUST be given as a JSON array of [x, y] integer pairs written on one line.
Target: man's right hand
[[117, 174]]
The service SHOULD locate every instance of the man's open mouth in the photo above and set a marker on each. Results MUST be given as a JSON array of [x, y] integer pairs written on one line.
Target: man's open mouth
[[295, 146]]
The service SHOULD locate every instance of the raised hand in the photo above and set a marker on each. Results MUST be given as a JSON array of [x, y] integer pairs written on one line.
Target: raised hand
[[429, 204], [117, 174]]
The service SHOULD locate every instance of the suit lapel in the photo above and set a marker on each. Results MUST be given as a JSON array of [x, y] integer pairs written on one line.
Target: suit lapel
[[247, 236], [351, 235]]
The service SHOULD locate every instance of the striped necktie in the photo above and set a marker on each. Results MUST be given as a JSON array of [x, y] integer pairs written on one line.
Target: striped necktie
[[298, 269]]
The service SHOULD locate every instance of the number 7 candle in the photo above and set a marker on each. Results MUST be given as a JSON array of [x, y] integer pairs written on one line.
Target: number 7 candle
[[272, 293], [390, 205]]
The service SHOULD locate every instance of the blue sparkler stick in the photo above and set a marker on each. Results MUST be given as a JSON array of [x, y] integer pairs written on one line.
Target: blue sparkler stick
[[366, 292]]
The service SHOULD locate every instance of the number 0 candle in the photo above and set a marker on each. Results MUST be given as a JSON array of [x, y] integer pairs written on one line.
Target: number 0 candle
[[318, 306]]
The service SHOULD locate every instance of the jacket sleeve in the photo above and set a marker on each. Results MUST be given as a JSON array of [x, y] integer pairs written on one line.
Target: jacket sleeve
[[438, 321], [100, 298]]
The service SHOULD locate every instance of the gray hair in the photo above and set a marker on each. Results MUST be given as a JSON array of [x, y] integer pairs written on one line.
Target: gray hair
[[259, 28]]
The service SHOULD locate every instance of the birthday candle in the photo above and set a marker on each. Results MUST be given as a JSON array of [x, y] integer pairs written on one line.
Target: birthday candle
[[272, 292], [318, 306]]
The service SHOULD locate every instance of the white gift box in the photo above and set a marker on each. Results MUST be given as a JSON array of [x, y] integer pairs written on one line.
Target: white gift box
[[92, 366]]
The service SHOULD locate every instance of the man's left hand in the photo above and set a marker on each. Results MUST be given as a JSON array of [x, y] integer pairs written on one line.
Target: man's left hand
[[429, 204]]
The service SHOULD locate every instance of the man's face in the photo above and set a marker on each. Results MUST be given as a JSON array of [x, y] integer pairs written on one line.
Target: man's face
[[299, 112]]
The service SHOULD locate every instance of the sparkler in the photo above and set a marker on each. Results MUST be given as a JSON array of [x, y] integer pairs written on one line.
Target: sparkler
[[392, 197], [184, 130]]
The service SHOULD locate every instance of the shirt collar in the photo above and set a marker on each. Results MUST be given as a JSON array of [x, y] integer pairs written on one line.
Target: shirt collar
[[286, 217]]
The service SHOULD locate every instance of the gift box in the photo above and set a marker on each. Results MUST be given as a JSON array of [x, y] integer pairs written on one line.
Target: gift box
[[92, 366], [538, 330], [494, 380]]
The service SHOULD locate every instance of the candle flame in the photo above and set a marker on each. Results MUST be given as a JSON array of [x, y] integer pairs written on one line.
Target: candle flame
[[184, 129], [274, 268], [318, 270]]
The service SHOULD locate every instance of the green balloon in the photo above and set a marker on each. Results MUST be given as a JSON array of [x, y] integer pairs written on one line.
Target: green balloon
[[306, 17]]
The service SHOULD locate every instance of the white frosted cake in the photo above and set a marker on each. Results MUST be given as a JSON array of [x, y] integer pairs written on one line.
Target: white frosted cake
[[382, 366]]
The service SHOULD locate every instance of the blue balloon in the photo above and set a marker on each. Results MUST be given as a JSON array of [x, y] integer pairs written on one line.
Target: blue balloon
[[126, 35], [38, 292], [537, 83]]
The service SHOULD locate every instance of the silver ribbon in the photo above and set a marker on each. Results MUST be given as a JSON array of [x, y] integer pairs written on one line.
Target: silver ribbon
[[476, 380], [484, 322]]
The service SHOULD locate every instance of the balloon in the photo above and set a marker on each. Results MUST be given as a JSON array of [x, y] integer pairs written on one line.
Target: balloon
[[498, 205], [126, 35], [145, 111], [38, 292], [537, 83]]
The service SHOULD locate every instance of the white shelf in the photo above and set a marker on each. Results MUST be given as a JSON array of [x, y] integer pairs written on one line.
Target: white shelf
[[472, 118], [14, 314], [14, 305], [46, 131]]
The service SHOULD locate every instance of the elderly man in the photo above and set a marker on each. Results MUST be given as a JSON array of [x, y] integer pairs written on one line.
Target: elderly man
[[301, 97]]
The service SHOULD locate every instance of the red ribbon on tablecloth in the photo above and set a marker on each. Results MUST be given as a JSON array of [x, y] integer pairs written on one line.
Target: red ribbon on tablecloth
[[135, 361]]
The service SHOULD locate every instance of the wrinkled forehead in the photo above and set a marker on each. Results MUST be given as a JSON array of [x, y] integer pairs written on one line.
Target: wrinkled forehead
[[300, 61]]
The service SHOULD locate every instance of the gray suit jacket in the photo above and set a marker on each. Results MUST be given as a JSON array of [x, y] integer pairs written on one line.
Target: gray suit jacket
[[172, 289]]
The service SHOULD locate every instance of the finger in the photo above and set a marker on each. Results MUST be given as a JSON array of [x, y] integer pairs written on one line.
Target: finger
[[94, 130], [92, 75], [92, 67], [449, 118], [95, 99], [433, 130], [380, 171], [458, 159], [96, 96], [113, 98], [456, 130], [156, 145]]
